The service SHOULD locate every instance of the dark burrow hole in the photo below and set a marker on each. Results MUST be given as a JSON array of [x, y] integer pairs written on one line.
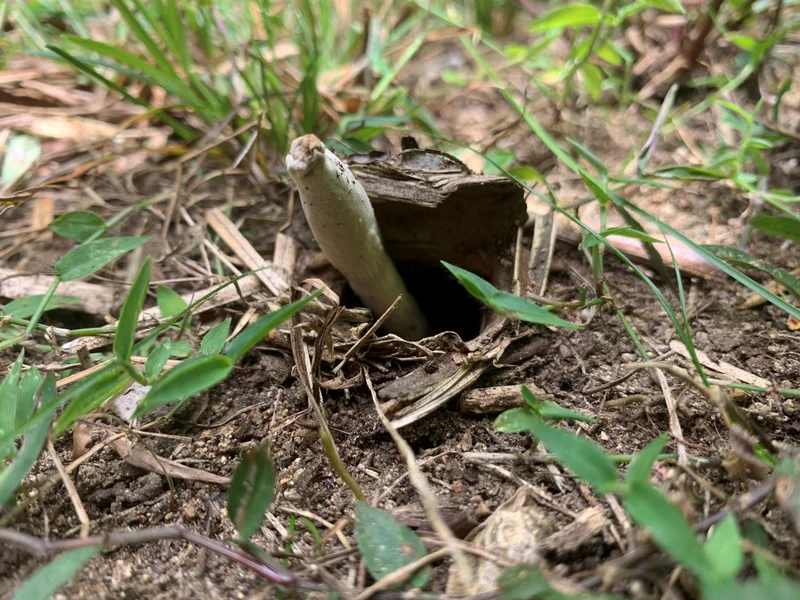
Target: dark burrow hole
[[445, 302], [71, 319]]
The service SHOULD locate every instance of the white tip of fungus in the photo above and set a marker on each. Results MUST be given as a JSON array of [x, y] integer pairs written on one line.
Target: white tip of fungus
[[306, 151]]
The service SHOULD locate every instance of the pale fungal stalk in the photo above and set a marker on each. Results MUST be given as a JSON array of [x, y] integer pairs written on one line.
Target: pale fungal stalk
[[343, 222]]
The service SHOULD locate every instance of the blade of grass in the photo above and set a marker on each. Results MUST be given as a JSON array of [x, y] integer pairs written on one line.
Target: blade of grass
[[387, 79], [619, 201], [173, 85], [84, 67]]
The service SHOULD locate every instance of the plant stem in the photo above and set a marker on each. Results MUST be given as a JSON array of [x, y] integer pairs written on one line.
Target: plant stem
[[131, 370], [608, 5], [333, 458], [13, 341], [48, 295]]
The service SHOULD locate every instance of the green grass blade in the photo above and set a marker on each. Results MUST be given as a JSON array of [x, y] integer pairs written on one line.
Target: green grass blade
[[192, 376], [26, 398], [641, 465], [88, 394], [47, 580], [169, 82], [579, 454], [505, 303], [251, 491], [9, 390], [129, 316], [551, 144], [387, 79], [139, 31], [12, 476], [387, 545], [92, 256], [255, 332], [651, 510]]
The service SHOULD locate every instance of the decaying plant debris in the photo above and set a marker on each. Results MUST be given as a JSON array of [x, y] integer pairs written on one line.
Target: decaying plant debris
[[350, 414]]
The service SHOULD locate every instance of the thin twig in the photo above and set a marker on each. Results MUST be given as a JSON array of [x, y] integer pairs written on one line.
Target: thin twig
[[357, 346], [43, 547], [426, 494], [72, 491], [402, 574]]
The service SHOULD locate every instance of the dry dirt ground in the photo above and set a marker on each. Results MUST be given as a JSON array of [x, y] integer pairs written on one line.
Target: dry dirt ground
[[472, 467]]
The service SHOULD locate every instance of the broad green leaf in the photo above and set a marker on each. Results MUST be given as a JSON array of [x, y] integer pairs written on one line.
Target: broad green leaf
[[214, 340], [26, 307], [476, 286], [251, 491], [12, 476], [672, 6], [592, 77], [77, 225], [26, 397], [572, 15], [629, 232], [129, 316], [527, 173], [522, 309], [255, 332], [779, 589], [183, 381], [526, 582], [387, 545], [515, 420], [651, 510], [88, 394], [786, 227], [156, 360], [531, 400], [754, 532], [47, 580], [745, 42], [742, 259], [505, 303], [9, 390], [580, 455], [642, 463], [88, 258], [551, 411], [169, 301], [688, 173], [180, 349], [724, 551], [498, 160], [43, 413], [523, 582], [609, 53], [20, 155]]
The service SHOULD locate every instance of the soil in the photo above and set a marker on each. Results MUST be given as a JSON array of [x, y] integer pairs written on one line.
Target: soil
[[263, 400]]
